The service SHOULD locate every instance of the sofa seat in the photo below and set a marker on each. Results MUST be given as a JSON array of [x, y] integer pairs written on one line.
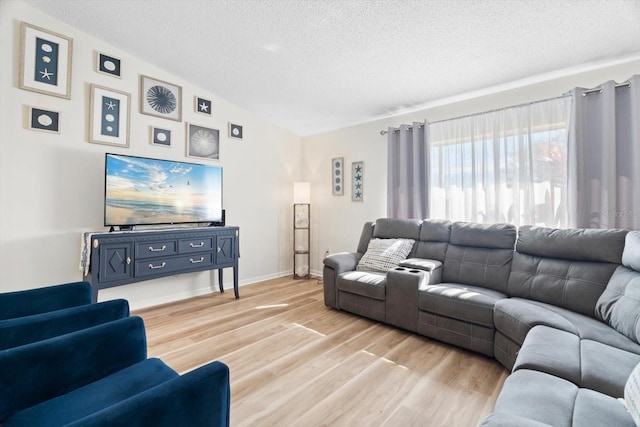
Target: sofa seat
[[586, 363], [364, 283], [95, 396], [515, 317], [469, 303], [531, 398], [362, 293]]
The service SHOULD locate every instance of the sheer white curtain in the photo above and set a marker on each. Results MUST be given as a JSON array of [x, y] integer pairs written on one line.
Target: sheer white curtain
[[604, 161], [502, 166], [408, 171]]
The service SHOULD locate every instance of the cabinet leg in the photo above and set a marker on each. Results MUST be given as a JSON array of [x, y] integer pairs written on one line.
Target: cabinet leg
[[220, 280], [235, 282]]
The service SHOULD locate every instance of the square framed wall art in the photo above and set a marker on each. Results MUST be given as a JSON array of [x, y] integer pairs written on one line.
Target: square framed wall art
[[235, 131], [337, 176], [203, 106], [357, 181], [108, 65], [44, 120], [109, 116], [203, 142], [45, 61], [160, 99], [161, 137]]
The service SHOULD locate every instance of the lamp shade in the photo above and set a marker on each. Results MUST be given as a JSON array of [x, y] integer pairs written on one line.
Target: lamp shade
[[301, 192]]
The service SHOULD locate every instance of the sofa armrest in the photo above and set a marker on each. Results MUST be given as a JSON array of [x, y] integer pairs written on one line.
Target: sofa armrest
[[343, 261], [431, 266], [198, 398], [41, 300], [334, 265], [36, 372], [29, 329]]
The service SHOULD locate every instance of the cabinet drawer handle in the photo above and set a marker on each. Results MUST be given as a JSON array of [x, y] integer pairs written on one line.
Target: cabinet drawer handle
[[196, 262], [152, 249], [153, 267], [196, 246], [219, 249]]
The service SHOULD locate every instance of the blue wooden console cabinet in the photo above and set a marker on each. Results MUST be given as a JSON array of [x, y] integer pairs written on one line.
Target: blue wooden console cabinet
[[120, 258]]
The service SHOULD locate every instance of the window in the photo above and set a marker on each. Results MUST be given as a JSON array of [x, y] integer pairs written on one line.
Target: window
[[503, 166]]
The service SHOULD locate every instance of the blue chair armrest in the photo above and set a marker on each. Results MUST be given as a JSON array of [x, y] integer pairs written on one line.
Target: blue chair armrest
[[29, 329], [198, 398], [41, 300], [36, 372]]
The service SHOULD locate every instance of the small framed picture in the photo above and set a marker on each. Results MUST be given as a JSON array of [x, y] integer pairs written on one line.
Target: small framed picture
[[203, 142], [106, 64], [357, 181], [160, 137], [44, 120], [203, 106], [337, 176], [235, 131], [109, 116], [160, 99], [45, 61]]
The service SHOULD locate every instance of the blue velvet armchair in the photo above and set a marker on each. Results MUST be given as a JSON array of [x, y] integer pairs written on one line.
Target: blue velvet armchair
[[101, 377], [37, 314]]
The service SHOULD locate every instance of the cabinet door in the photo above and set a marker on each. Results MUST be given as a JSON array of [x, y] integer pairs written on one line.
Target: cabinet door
[[115, 261], [226, 249]]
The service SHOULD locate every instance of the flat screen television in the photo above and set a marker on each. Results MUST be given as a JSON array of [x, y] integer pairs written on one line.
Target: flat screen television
[[144, 191]]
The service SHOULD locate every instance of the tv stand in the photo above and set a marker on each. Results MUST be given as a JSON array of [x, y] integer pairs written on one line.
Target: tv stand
[[120, 258]]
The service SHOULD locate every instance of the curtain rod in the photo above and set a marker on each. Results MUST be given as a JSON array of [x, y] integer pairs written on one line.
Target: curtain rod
[[384, 132], [584, 93]]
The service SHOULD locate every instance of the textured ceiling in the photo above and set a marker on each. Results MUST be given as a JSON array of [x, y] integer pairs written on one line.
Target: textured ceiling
[[312, 66]]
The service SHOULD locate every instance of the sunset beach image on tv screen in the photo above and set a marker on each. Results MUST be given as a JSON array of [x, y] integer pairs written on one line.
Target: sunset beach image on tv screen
[[150, 191]]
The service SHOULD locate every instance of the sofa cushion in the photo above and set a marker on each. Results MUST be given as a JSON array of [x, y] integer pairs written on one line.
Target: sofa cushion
[[619, 304], [554, 401], [632, 394], [572, 244], [363, 283], [396, 228], [496, 236], [586, 363], [384, 254], [631, 254], [96, 396], [514, 317], [434, 238], [463, 302], [575, 285]]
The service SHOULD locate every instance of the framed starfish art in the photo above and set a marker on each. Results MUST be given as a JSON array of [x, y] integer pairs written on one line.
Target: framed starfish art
[[45, 61], [203, 106], [109, 116]]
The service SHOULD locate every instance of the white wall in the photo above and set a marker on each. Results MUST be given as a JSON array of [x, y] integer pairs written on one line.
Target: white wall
[[337, 221], [51, 185]]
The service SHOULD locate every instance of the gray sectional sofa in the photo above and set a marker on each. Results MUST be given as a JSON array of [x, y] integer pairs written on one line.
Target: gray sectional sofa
[[559, 308]]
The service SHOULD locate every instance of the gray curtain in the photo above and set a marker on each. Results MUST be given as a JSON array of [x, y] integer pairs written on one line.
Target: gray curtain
[[604, 157], [408, 150]]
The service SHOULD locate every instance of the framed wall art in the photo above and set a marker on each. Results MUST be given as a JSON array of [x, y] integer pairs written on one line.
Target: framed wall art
[[357, 181], [337, 176], [235, 131], [109, 116], [203, 106], [44, 120], [108, 65], [203, 142], [161, 137], [160, 99], [45, 61]]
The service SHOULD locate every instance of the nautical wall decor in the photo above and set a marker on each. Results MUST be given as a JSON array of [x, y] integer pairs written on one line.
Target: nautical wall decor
[[161, 137], [203, 142], [44, 120], [109, 116], [45, 61], [160, 99], [203, 106], [357, 181], [108, 65], [337, 176]]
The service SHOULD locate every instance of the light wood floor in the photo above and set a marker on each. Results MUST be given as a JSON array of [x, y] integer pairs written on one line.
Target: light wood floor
[[295, 362]]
